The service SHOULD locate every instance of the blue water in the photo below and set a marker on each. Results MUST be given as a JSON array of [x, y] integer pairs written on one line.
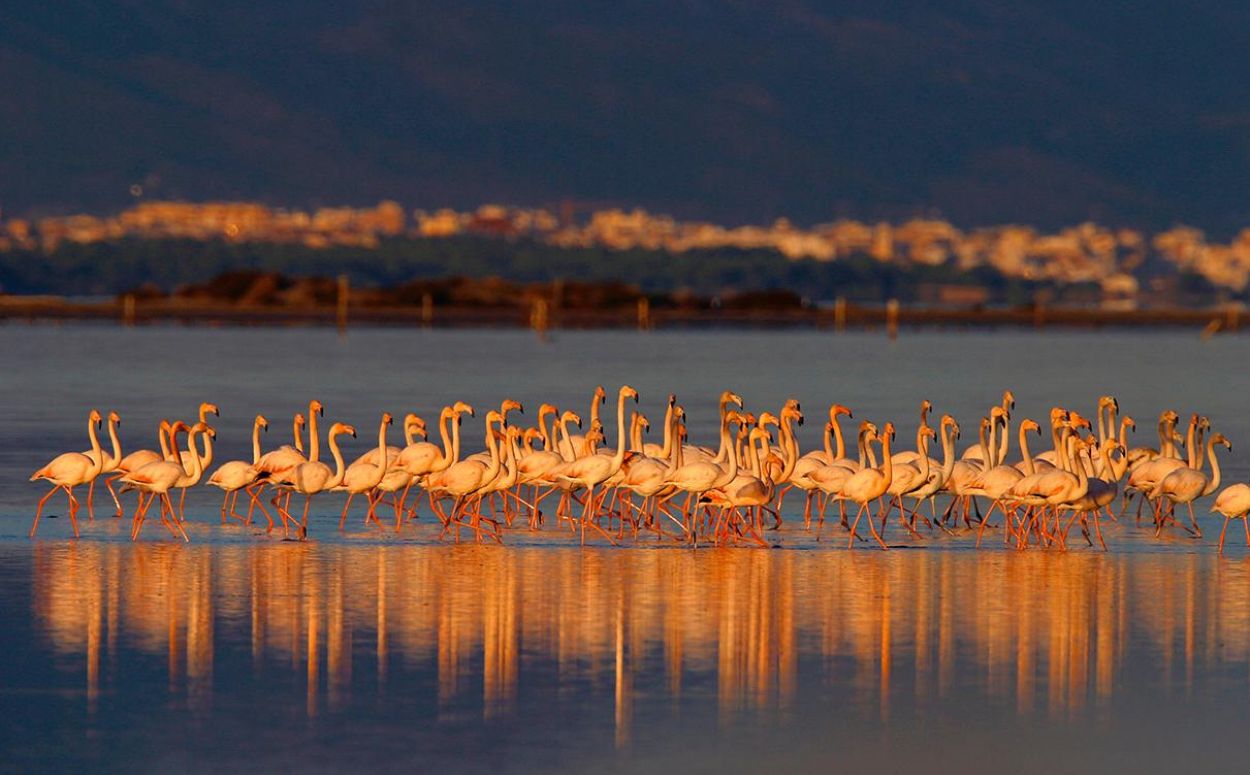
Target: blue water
[[371, 649]]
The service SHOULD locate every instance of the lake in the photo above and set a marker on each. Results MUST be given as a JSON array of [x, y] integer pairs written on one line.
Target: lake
[[368, 649]]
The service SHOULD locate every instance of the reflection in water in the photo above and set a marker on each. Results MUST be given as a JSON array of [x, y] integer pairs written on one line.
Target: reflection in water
[[1035, 631]]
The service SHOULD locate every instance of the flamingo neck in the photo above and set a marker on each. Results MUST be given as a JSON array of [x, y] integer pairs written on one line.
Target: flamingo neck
[[162, 437], [298, 434], [97, 457], [922, 447], [381, 466], [1024, 451], [314, 443], [339, 469], [445, 418], [1215, 469], [1003, 440], [619, 457], [116, 442], [255, 443], [948, 452]]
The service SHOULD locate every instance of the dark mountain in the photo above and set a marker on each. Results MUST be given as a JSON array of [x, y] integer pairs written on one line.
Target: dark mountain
[[978, 110]]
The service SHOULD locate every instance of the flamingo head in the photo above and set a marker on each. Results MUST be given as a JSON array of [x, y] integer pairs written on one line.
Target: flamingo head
[[95, 417], [1077, 421], [387, 419], [629, 392], [1009, 401], [1219, 438], [509, 405], [928, 432], [300, 421], [1169, 416], [730, 397], [792, 403], [791, 411], [262, 422], [837, 410], [115, 418], [546, 409], [461, 407], [339, 428], [531, 434], [601, 395], [768, 418], [1204, 422], [201, 427], [1027, 425], [1130, 423], [314, 406], [888, 431], [925, 407], [644, 422], [495, 417], [679, 411], [672, 399], [571, 416]]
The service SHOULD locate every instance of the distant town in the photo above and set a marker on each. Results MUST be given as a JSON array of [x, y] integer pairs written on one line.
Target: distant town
[[1122, 262]]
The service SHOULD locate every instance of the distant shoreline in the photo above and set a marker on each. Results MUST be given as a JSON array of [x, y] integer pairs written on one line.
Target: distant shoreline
[[853, 317]]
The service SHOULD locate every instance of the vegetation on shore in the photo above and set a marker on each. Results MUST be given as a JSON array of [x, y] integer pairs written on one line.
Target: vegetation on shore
[[110, 268]]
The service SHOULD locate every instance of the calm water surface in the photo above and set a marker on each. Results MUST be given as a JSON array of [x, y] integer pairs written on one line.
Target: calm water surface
[[400, 652]]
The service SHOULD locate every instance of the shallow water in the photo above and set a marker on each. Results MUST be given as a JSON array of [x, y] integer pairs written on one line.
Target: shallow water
[[403, 652]]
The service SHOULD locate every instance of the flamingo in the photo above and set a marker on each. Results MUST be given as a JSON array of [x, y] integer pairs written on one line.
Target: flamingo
[[590, 471], [158, 478], [700, 476], [236, 475], [314, 476], [1233, 503], [867, 485], [69, 470], [996, 482], [111, 462], [466, 478], [363, 476], [577, 443], [141, 457], [1188, 483]]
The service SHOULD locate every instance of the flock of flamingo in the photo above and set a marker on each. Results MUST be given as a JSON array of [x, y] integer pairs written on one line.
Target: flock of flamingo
[[679, 491]]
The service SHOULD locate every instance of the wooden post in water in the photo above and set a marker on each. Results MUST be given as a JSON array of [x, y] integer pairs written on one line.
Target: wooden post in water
[[1232, 320], [891, 319], [341, 307], [128, 310], [644, 314], [839, 314], [538, 318], [427, 310]]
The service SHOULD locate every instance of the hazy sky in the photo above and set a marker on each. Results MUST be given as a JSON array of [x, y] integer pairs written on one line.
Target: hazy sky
[[980, 111]]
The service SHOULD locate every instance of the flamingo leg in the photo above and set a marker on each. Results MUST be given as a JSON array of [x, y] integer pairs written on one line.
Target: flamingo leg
[[73, 510], [39, 509], [303, 525], [1192, 520], [1223, 530], [109, 484], [90, 504], [346, 506]]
